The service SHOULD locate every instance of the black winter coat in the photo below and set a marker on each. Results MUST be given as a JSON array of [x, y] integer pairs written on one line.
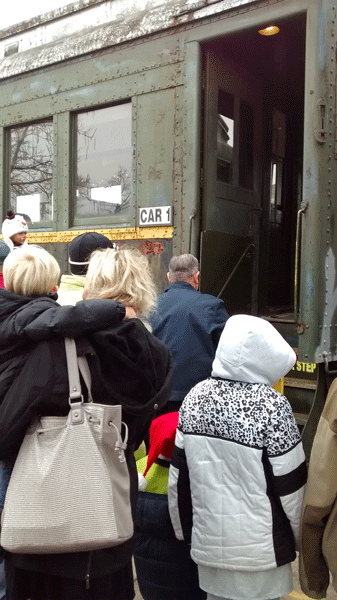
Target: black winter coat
[[165, 569], [128, 365], [24, 321]]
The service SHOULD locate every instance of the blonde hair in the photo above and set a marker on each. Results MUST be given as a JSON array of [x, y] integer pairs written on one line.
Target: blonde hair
[[30, 271], [123, 275]]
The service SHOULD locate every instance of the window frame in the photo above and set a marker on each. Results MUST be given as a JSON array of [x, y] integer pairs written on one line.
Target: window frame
[[43, 225], [112, 221]]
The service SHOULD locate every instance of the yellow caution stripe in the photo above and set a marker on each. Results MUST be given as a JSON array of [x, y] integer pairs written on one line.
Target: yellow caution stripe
[[125, 233]]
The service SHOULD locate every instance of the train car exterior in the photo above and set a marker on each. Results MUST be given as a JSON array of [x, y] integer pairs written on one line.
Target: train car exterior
[[204, 126]]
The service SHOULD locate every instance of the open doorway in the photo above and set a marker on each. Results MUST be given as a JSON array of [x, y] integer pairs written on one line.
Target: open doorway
[[253, 161]]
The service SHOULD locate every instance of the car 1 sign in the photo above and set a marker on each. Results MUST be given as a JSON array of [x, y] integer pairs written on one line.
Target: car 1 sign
[[156, 215]]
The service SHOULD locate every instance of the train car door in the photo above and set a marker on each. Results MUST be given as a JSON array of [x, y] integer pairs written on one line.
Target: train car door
[[231, 183], [253, 169]]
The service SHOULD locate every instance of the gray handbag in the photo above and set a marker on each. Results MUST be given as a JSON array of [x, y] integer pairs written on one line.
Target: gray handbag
[[70, 488]]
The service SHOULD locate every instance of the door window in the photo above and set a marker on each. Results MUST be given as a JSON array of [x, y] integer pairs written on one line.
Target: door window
[[225, 137]]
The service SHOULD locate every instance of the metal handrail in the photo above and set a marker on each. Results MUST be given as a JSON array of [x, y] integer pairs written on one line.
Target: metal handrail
[[234, 270], [192, 216], [304, 206]]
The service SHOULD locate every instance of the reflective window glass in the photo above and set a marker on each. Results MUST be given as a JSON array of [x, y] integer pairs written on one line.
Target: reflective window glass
[[246, 153], [225, 137], [104, 162], [276, 191], [31, 165]]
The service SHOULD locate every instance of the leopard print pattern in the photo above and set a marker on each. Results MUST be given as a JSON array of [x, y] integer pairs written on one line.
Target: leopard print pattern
[[251, 414]]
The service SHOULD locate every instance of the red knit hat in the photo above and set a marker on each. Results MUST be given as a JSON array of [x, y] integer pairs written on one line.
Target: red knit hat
[[162, 436]]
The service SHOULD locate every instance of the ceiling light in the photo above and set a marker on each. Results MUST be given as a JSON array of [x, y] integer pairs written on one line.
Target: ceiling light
[[270, 30]]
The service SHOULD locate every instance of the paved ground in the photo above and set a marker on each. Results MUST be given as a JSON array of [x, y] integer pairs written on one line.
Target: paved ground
[[296, 594]]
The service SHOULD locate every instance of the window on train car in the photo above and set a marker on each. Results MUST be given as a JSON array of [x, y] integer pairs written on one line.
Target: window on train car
[[225, 137], [104, 163], [31, 166]]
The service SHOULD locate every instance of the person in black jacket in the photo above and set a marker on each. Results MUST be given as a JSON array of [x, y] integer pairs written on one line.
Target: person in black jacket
[[190, 324], [165, 570], [128, 366]]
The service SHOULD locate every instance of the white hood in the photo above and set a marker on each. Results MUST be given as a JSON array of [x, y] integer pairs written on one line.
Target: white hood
[[253, 351]]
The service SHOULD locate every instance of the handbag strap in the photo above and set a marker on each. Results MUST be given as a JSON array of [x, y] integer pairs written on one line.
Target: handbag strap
[[85, 372], [74, 364], [75, 392]]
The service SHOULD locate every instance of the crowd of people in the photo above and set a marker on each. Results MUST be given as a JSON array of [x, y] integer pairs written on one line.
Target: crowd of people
[[218, 497]]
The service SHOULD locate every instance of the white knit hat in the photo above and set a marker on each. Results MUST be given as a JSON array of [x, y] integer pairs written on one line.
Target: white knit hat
[[13, 224]]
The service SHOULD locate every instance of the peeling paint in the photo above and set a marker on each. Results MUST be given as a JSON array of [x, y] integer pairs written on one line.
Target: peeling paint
[[151, 247], [154, 173], [99, 24], [328, 337]]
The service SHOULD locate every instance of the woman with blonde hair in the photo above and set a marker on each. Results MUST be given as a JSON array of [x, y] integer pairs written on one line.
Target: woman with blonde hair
[[122, 275], [128, 366]]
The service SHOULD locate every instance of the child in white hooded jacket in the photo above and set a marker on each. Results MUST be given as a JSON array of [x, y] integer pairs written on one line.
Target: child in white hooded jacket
[[238, 463]]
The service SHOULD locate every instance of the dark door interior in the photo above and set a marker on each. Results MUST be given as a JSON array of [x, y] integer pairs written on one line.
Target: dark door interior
[[252, 160]]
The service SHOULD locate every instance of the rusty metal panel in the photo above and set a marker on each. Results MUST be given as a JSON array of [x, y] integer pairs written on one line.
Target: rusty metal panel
[[98, 26], [187, 238], [93, 95], [155, 148], [158, 253], [125, 234], [83, 73], [318, 298], [63, 158]]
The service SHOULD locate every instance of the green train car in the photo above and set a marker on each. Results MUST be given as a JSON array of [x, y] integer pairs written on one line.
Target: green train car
[[204, 126]]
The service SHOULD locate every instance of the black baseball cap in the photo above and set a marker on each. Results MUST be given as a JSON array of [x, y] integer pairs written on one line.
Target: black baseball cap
[[82, 246]]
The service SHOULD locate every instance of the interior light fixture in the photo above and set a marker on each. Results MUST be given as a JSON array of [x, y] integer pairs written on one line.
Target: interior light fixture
[[270, 30]]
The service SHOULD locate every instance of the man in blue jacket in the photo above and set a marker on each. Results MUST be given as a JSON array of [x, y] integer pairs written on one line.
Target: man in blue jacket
[[190, 324]]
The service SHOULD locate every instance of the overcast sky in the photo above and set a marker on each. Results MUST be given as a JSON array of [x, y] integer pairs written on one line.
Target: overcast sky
[[16, 11]]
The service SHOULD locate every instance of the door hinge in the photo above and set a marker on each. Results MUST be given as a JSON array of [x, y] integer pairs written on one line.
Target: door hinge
[[203, 83]]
